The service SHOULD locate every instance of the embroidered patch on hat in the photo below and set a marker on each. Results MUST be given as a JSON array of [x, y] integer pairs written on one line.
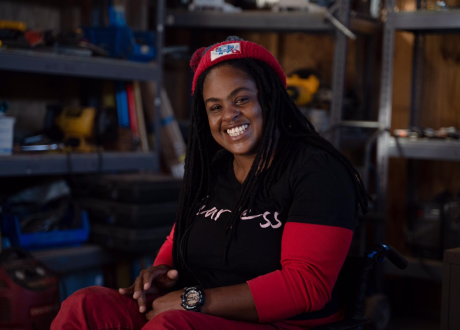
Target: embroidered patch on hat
[[227, 49]]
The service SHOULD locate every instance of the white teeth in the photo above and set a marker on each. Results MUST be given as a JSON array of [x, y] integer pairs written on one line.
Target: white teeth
[[237, 130]]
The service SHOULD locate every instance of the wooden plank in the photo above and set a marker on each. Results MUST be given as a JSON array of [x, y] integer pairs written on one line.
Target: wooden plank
[[70, 13], [137, 14]]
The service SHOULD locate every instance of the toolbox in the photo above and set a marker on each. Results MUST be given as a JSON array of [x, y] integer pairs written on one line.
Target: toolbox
[[129, 215], [134, 188], [130, 239]]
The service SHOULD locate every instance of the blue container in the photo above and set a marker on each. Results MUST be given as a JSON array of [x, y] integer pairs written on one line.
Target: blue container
[[122, 42], [76, 236]]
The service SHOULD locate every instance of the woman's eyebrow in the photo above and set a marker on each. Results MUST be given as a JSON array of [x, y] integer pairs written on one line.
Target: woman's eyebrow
[[212, 99], [232, 94]]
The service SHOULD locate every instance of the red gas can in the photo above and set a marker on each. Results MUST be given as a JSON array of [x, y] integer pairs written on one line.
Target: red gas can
[[29, 292]]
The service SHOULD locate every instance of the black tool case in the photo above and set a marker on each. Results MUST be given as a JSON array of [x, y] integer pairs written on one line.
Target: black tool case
[[129, 239], [133, 188], [128, 214]]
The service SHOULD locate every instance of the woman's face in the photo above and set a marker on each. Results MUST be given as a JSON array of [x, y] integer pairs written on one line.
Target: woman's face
[[233, 109]]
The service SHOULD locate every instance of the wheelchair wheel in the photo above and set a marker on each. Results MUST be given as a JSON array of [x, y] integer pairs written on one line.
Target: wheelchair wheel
[[378, 309]]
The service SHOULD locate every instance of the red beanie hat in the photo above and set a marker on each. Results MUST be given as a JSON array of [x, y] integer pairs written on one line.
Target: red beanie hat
[[230, 49]]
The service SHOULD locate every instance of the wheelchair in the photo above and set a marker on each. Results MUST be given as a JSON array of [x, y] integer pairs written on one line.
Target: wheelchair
[[351, 285]]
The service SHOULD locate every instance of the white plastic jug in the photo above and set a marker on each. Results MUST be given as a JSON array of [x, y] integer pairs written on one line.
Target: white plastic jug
[[6, 135]]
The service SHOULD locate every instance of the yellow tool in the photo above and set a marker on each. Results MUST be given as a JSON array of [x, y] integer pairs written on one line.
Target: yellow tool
[[13, 25], [302, 86], [77, 124]]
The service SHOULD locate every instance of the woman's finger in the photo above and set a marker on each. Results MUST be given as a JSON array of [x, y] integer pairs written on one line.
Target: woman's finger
[[173, 275], [171, 278], [138, 286], [128, 290], [147, 279], [157, 279], [141, 302]]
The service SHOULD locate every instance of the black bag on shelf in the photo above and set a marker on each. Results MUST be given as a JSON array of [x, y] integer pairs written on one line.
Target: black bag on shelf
[[133, 188], [129, 215]]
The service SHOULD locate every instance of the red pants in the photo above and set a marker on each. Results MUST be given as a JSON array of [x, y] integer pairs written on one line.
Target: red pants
[[98, 308]]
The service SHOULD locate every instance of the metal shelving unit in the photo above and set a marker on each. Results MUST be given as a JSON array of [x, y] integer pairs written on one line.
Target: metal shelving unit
[[264, 21], [424, 149], [50, 164], [75, 66], [87, 67], [427, 20], [419, 22], [267, 21]]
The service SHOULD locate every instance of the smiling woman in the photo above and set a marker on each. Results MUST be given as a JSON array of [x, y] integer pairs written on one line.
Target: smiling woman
[[265, 220]]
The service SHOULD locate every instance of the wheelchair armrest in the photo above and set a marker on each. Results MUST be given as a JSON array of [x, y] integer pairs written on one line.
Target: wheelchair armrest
[[349, 324]]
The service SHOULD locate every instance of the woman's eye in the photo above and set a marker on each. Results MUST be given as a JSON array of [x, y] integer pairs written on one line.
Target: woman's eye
[[214, 108], [242, 100]]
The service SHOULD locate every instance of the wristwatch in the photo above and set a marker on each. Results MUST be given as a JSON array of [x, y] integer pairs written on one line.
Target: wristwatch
[[193, 299]]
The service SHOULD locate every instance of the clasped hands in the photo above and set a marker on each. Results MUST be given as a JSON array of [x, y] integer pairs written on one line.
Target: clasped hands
[[155, 280]]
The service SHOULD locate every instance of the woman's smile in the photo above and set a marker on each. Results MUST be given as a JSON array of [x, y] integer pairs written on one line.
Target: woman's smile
[[237, 131]]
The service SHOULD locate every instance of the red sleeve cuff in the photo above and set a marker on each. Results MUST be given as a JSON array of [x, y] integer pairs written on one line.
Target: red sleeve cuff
[[271, 297], [311, 259]]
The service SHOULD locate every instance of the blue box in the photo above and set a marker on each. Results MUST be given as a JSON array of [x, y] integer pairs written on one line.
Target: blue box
[[121, 42], [76, 236]]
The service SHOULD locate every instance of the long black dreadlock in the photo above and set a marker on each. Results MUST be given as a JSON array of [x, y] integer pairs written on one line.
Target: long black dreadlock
[[280, 116]]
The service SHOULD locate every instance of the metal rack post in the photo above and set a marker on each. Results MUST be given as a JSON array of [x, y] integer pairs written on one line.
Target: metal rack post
[[159, 39], [340, 61], [385, 103], [385, 122], [415, 112]]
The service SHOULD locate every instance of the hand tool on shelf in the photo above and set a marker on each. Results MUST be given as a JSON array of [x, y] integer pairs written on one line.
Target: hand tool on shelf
[[77, 124], [302, 86], [426, 132]]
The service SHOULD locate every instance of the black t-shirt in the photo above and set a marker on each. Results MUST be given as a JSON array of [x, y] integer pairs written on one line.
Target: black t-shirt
[[315, 188]]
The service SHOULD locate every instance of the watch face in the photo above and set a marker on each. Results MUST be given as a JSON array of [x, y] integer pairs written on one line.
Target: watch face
[[192, 297]]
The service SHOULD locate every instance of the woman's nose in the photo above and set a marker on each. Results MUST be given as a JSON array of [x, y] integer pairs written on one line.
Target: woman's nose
[[231, 113]]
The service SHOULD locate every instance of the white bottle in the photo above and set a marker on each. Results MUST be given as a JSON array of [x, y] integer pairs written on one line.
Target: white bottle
[[6, 134]]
